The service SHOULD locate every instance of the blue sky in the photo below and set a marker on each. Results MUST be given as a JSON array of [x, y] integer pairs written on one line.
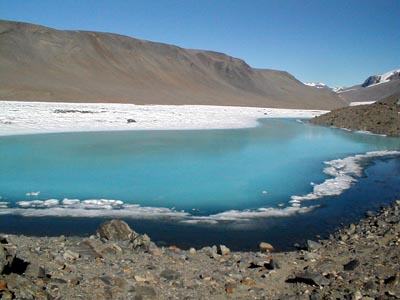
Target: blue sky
[[339, 42]]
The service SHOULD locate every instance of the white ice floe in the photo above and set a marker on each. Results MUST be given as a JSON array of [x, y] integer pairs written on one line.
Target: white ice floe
[[343, 172], [116, 208], [88, 208], [247, 215], [38, 203], [17, 117], [33, 194]]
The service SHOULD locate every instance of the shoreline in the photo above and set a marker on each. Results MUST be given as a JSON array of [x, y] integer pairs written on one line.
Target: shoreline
[[357, 262], [20, 118]]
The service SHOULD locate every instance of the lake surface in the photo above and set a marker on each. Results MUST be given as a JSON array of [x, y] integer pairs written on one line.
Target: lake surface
[[198, 187]]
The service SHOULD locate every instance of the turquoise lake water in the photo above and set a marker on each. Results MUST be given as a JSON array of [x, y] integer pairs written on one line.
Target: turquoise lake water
[[194, 187]]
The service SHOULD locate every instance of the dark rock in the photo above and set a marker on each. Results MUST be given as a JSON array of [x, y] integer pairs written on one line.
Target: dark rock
[[380, 223], [370, 286], [117, 230], [145, 292], [141, 241], [85, 250], [315, 296], [34, 270], [392, 280], [223, 250], [255, 265], [351, 265], [326, 266], [313, 246], [310, 278], [25, 289], [371, 80], [170, 274], [58, 280], [131, 121], [7, 259], [271, 265], [71, 255]]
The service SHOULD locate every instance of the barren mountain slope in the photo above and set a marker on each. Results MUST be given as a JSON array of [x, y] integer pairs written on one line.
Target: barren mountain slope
[[40, 63], [382, 117]]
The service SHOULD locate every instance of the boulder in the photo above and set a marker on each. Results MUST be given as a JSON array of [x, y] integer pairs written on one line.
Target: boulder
[[141, 241], [25, 289], [313, 246], [308, 277], [117, 230], [6, 258], [351, 265], [266, 247], [223, 250]]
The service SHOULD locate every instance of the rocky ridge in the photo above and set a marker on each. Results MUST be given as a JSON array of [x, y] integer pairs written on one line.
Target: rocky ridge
[[382, 117], [359, 262]]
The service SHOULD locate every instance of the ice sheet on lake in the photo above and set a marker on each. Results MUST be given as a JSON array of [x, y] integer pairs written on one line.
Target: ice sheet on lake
[[17, 117]]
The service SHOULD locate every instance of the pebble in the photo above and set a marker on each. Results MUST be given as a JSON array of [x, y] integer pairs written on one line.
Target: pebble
[[351, 265], [223, 250], [70, 255], [248, 281], [170, 274]]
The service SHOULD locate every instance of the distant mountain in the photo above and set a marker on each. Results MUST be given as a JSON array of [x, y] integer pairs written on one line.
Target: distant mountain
[[40, 63], [374, 88], [318, 85], [338, 89], [382, 78]]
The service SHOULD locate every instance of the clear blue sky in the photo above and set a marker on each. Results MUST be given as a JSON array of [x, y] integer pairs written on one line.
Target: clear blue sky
[[339, 42]]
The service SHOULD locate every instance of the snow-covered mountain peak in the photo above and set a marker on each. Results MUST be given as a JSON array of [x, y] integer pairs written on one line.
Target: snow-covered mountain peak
[[318, 85], [382, 78]]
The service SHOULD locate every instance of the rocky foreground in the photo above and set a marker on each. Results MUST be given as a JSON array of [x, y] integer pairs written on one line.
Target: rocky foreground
[[358, 262], [382, 117]]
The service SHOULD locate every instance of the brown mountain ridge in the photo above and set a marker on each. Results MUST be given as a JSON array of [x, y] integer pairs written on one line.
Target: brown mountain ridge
[[43, 64]]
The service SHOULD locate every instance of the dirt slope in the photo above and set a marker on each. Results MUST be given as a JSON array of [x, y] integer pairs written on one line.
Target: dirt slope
[[40, 63]]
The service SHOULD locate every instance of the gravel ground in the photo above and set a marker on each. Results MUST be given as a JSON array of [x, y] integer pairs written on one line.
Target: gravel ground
[[358, 262]]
